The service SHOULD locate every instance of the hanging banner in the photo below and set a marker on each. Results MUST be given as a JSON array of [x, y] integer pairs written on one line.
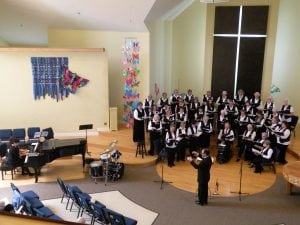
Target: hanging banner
[[131, 60]]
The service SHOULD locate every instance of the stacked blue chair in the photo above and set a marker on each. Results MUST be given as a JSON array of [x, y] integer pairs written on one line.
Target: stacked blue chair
[[30, 203], [98, 213], [96, 210], [118, 219]]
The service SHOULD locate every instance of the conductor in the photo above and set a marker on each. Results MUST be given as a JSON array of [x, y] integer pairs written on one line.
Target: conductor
[[203, 164]]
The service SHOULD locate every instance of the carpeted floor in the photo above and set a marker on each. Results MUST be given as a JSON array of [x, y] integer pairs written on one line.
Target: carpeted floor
[[177, 207]]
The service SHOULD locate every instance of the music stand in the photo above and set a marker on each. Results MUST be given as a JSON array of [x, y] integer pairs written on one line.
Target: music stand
[[86, 127]]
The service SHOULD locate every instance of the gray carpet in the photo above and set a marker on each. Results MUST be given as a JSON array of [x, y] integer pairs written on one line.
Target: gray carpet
[[177, 207]]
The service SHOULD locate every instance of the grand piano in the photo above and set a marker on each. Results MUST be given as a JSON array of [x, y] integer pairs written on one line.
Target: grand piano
[[53, 149]]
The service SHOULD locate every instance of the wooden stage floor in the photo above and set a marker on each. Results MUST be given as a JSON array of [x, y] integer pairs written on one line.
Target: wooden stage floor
[[183, 175]]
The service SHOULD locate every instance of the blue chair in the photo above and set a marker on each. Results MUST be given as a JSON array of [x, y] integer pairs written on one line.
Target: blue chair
[[118, 219], [31, 204], [26, 194], [3, 149], [6, 167], [50, 133], [73, 190], [31, 131], [5, 134], [23, 199], [41, 211], [19, 133], [99, 214], [64, 190]]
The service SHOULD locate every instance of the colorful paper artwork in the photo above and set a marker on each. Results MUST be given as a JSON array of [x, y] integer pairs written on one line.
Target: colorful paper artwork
[[51, 77], [72, 82], [130, 72]]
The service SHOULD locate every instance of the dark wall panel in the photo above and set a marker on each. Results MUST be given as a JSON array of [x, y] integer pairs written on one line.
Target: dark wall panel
[[224, 56], [227, 20], [255, 19], [251, 64]]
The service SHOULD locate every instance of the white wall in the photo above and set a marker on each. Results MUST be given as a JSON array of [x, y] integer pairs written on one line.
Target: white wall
[[112, 42], [88, 105]]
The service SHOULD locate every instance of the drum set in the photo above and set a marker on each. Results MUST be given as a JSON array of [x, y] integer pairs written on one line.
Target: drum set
[[108, 166]]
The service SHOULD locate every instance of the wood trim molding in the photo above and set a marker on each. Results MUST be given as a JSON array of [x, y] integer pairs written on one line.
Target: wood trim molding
[[5, 49], [26, 219]]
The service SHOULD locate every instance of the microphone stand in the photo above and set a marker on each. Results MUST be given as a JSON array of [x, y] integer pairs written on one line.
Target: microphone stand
[[240, 193], [162, 181]]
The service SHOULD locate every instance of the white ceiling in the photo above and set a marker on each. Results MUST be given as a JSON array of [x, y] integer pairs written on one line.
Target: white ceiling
[[26, 22]]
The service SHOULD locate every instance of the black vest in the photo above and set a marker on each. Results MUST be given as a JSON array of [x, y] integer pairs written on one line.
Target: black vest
[[205, 127], [282, 140], [170, 143]]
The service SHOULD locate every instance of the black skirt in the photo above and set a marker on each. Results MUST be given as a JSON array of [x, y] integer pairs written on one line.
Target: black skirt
[[138, 131]]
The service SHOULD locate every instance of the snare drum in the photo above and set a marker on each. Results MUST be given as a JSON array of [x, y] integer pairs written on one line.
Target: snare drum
[[105, 157], [96, 169]]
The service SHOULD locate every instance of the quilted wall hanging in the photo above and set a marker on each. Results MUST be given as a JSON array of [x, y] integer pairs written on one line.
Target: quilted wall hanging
[[131, 61], [51, 77]]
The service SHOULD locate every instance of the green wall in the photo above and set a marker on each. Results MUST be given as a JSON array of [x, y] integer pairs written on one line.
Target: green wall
[[286, 69], [189, 31]]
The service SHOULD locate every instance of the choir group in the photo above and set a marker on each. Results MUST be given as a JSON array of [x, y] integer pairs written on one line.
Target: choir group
[[181, 122]]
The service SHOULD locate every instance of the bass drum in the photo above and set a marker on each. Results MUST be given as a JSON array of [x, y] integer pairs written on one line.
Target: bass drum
[[96, 169], [115, 171]]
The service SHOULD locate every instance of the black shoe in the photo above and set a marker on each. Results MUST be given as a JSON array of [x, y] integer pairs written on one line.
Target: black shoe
[[199, 203], [237, 160], [31, 174], [257, 171]]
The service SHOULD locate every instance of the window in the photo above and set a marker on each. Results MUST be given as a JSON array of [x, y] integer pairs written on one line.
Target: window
[[239, 46]]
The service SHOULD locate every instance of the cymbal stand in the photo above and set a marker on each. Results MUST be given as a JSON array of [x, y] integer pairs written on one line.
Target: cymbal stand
[[106, 173]]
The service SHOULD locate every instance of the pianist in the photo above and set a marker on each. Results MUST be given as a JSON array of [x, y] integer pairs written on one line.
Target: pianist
[[15, 156]]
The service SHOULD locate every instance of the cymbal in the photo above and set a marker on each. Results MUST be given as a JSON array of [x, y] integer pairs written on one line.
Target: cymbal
[[110, 147]]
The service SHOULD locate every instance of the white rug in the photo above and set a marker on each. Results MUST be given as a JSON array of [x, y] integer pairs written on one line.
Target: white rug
[[113, 200]]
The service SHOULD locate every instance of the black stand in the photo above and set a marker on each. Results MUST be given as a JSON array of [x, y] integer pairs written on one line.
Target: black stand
[[162, 181], [240, 193], [86, 127]]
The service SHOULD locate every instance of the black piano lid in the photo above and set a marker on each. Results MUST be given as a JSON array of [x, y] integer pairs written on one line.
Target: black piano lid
[[58, 143]]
